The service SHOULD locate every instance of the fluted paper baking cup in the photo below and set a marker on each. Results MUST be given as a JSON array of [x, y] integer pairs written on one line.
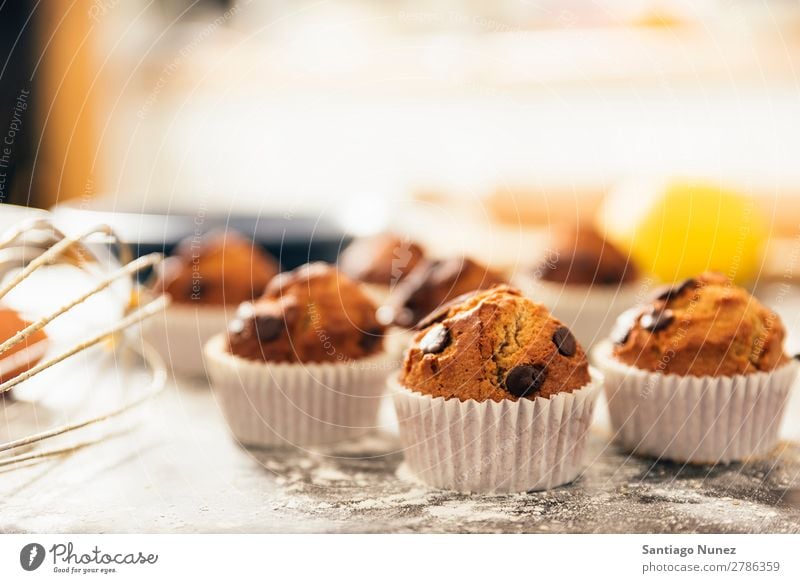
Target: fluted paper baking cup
[[694, 419], [273, 404], [490, 447], [180, 332], [589, 311]]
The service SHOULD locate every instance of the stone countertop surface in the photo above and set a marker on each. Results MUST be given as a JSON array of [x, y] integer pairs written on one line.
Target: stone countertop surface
[[172, 467], [176, 469]]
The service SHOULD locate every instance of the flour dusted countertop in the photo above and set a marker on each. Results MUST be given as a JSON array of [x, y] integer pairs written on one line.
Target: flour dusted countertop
[[178, 470]]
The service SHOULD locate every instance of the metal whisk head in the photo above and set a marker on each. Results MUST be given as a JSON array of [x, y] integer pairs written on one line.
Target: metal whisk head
[[37, 244]]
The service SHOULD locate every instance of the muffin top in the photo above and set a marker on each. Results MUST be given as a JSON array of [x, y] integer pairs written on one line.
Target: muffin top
[[432, 284], [581, 256], [311, 314], [384, 259], [494, 344], [219, 268], [704, 326]]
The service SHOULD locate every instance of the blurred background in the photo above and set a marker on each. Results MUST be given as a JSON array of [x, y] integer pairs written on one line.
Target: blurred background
[[472, 126]]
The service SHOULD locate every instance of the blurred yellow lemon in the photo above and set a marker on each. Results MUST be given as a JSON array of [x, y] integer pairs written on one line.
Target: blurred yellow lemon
[[678, 228]]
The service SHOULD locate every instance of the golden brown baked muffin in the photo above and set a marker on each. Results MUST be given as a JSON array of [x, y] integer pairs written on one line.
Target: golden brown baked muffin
[[703, 326], [24, 355], [311, 314], [432, 284], [384, 259], [581, 256], [219, 268], [495, 344]]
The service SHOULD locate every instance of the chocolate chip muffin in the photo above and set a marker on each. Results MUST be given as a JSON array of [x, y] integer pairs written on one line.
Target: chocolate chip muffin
[[702, 326], [302, 365], [311, 314], [494, 345], [698, 374], [432, 284], [218, 268], [466, 399], [384, 259], [581, 256], [584, 281]]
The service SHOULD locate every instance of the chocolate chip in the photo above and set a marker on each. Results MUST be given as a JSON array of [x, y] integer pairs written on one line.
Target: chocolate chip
[[564, 341], [268, 327], [526, 379], [668, 292], [435, 340], [796, 357], [370, 339], [656, 320]]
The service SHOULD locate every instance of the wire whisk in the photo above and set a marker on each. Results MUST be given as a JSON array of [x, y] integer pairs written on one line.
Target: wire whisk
[[39, 243]]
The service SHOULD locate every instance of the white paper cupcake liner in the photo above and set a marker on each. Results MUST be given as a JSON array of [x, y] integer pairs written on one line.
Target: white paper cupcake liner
[[489, 447], [273, 404], [590, 312], [180, 332], [694, 419]]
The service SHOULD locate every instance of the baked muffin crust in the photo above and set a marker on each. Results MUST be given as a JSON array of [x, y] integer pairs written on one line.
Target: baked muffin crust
[[704, 326], [219, 268], [384, 259], [495, 344], [434, 283], [311, 314], [581, 256]]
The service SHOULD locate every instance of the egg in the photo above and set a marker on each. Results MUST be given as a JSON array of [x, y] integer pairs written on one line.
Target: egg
[[24, 355]]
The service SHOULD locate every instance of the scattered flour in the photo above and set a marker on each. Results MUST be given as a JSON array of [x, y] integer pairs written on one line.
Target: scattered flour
[[364, 487]]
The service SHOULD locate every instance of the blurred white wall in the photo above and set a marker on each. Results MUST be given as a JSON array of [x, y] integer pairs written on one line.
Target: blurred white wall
[[291, 106]]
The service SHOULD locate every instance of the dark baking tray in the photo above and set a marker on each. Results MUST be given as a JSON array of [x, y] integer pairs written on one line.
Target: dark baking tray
[[293, 239]]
